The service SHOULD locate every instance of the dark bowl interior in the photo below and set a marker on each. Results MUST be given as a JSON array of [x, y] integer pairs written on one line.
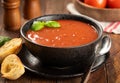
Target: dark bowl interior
[[62, 57]]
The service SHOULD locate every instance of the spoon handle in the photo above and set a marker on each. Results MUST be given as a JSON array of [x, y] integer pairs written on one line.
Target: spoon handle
[[87, 73], [86, 78]]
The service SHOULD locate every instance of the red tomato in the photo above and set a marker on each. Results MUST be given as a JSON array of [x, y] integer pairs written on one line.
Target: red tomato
[[96, 3], [113, 3]]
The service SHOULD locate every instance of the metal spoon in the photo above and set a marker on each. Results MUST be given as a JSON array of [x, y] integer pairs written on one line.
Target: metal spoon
[[105, 47]]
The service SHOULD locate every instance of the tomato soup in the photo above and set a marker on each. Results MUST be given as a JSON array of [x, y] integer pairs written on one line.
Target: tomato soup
[[71, 33]]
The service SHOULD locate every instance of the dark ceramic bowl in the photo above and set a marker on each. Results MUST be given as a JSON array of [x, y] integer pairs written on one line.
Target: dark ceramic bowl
[[63, 56]]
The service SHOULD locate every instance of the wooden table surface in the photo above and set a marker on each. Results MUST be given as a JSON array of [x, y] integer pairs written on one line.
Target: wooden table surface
[[107, 73]]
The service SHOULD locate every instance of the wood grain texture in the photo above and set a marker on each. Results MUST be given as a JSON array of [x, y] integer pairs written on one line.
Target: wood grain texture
[[108, 73]]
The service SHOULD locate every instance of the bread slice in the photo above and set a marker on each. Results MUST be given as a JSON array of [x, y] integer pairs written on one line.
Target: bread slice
[[12, 67], [11, 47]]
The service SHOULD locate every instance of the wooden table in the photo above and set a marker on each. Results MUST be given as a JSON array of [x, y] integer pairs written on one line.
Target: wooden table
[[107, 73]]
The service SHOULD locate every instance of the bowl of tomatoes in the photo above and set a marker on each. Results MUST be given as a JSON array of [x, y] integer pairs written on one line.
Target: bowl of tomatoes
[[101, 10]]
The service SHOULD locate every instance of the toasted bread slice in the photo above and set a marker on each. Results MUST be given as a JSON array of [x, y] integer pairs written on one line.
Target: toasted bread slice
[[12, 67], [11, 47]]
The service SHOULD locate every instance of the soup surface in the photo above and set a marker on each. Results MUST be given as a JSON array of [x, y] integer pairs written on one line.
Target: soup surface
[[71, 33]]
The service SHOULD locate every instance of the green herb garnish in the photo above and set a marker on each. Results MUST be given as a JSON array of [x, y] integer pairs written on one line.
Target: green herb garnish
[[53, 24], [38, 25], [3, 40]]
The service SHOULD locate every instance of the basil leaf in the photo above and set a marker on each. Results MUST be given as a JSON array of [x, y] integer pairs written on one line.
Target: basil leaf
[[52, 24], [37, 25], [3, 40]]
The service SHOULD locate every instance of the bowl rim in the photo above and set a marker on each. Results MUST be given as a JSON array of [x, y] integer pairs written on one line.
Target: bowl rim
[[92, 7], [83, 16]]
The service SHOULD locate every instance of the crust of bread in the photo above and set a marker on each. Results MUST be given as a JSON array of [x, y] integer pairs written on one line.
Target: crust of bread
[[11, 47], [12, 67]]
